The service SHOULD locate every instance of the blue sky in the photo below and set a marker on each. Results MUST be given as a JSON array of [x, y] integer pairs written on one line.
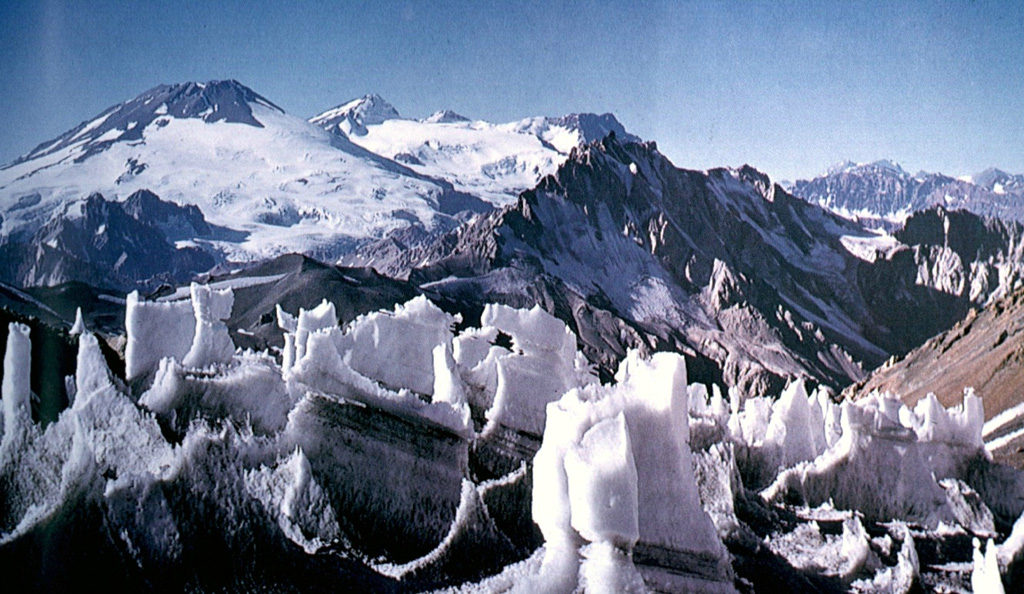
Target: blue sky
[[789, 87]]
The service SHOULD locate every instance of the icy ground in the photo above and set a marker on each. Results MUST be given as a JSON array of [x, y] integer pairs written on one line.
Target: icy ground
[[408, 451]]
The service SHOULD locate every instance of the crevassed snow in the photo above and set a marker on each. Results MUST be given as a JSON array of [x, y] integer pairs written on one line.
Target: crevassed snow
[[889, 459], [807, 548]]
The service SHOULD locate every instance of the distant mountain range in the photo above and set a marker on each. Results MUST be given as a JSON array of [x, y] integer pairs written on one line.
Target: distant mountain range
[[886, 194]]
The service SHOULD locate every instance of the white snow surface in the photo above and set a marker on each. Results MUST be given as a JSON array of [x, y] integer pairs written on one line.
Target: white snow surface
[[155, 330], [79, 326], [985, 576], [603, 446], [397, 347], [211, 343], [870, 247], [602, 482], [492, 161]]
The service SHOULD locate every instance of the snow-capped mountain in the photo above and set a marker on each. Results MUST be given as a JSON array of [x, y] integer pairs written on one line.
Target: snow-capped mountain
[[282, 183], [575, 130], [884, 192], [351, 118], [435, 419], [998, 181], [724, 265], [445, 116], [757, 285], [492, 161]]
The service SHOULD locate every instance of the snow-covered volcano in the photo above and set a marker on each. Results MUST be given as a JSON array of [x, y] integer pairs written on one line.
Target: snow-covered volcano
[[248, 166]]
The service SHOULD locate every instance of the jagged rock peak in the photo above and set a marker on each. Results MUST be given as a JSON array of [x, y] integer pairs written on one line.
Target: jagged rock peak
[[212, 101], [885, 192], [963, 231], [176, 221], [126, 244], [752, 175], [613, 145]]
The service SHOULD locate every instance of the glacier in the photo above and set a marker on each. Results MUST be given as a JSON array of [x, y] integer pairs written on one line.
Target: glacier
[[408, 451]]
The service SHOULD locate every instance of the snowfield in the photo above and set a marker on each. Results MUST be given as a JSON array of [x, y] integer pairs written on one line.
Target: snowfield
[[494, 162], [407, 452]]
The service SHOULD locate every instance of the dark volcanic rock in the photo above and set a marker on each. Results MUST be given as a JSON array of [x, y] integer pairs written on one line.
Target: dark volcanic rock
[[176, 222]]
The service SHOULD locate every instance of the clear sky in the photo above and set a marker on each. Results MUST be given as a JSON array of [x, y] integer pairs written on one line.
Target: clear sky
[[789, 87]]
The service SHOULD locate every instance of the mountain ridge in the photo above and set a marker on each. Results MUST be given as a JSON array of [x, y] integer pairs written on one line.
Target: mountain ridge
[[884, 193], [696, 262], [216, 100]]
